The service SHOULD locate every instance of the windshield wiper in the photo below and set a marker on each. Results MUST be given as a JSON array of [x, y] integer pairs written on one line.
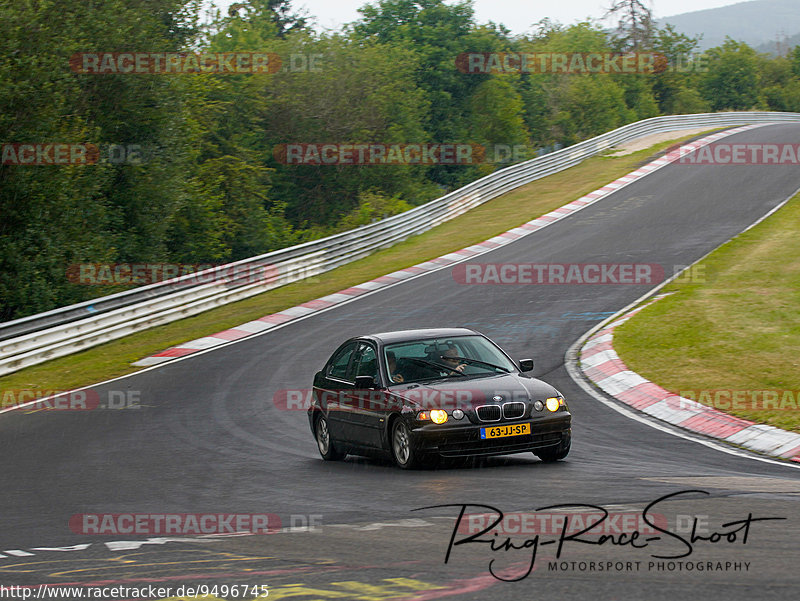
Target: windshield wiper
[[479, 362]]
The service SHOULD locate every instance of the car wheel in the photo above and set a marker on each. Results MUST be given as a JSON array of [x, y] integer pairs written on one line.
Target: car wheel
[[325, 443], [404, 455], [551, 454]]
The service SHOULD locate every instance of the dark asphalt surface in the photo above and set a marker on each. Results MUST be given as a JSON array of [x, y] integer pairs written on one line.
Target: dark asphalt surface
[[208, 438]]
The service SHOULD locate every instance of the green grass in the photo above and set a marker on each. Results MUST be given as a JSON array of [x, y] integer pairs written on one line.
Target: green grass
[[736, 327], [499, 215]]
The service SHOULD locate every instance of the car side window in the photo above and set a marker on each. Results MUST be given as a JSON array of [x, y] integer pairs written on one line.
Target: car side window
[[367, 361], [338, 365]]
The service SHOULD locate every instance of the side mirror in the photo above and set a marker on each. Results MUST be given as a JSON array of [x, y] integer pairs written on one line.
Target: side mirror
[[364, 382], [526, 365]]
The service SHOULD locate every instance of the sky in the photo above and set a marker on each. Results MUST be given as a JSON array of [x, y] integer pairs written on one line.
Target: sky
[[517, 15]]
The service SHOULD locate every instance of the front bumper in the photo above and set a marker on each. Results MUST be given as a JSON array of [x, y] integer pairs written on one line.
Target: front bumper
[[463, 441]]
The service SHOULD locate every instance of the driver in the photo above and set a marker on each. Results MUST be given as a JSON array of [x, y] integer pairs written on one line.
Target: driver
[[450, 359], [391, 362]]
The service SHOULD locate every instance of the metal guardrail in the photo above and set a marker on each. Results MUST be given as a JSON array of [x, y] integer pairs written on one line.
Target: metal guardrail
[[38, 338]]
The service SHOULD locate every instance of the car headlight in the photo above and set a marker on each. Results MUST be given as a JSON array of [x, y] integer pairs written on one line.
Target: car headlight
[[438, 416], [553, 403]]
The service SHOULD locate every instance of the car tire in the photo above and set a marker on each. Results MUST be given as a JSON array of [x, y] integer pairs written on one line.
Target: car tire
[[403, 453], [553, 454], [325, 445]]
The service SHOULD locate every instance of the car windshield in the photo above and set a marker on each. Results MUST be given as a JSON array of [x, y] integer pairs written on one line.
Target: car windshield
[[452, 357]]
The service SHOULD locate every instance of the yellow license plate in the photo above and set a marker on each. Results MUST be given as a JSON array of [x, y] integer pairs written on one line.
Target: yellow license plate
[[503, 431]]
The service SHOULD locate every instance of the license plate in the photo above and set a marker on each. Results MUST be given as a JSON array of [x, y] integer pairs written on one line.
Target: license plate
[[504, 431]]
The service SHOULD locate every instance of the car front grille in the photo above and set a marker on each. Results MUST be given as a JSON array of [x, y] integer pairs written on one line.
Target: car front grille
[[513, 410], [488, 413], [493, 413]]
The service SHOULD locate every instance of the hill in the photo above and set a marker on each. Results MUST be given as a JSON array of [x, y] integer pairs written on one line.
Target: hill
[[757, 22]]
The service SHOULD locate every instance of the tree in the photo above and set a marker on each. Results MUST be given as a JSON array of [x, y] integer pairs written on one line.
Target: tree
[[673, 87], [364, 93], [372, 206], [436, 33], [780, 87], [634, 24], [795, 58], [277, 12], [589, 107], [566, 108], [53, 216], [732, 80]]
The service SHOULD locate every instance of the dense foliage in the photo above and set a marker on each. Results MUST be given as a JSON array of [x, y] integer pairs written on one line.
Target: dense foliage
[[206, 183]]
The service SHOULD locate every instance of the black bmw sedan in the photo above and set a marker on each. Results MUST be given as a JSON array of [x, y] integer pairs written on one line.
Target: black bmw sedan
[[420, 395]]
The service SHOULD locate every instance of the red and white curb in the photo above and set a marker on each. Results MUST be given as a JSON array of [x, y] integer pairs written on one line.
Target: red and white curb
[[600, 363], [270, 321]]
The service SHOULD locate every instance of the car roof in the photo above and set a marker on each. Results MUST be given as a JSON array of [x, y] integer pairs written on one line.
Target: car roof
[[406, 335]]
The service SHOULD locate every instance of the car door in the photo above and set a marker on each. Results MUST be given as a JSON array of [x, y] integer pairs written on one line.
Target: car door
[[367, 405], [335, 387]]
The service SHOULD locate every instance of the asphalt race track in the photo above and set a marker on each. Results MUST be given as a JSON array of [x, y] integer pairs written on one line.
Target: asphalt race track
[[208, 438]]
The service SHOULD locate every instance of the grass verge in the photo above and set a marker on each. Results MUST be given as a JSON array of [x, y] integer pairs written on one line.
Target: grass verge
[[495, 217], [729, 335]]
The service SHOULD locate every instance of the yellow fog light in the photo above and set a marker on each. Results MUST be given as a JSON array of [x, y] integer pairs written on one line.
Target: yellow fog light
[[553, 403], [438, 416]]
